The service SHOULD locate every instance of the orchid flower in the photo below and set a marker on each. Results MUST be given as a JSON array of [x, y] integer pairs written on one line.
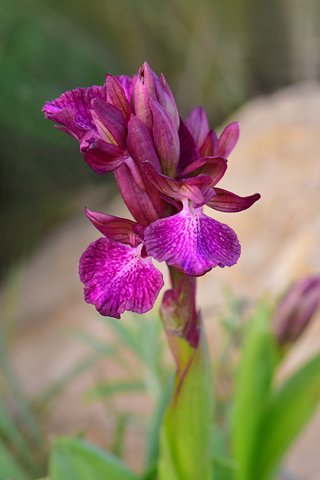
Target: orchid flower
[[166, 170]]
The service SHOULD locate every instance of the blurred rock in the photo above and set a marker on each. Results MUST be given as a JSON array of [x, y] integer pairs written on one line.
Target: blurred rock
[[277, 156]]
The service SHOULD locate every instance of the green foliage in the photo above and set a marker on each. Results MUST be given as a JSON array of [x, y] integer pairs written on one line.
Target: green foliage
[[75, 459], [267, 417], [186, 433], [254, 379], [288, 411]]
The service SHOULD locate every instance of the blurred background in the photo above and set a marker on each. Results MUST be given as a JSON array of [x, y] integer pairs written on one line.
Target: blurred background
[[214, 53], [256, 61]]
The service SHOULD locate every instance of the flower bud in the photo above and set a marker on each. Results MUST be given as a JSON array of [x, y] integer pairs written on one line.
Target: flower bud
[[295, 310]]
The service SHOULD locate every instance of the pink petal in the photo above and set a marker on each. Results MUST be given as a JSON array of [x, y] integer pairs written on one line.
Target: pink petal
[[225, 201], [140, 103], [166, 139], [197, 123], [189, 151], [116, 95], [197, 189], [214, 167], [210, 146], [116, 278], [114, 228], [127, 84], [140, 143], [138, 201], [228, 139], [192, 242], [110, 123], [105, 157], [72, 110]]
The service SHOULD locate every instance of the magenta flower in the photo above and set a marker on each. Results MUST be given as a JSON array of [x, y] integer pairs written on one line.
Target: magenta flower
[[166, 170]]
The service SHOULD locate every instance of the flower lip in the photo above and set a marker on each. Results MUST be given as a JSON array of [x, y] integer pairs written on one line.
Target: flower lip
[[117, 277], [192, 242]]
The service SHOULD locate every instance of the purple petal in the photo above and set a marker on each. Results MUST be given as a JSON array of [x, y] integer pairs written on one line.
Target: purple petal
[[225, 201], [116, 278], [197, 123], [166, 139], [127, 84], [72, 110], [110, 122], [192, 242], [189, 151], [116, 95], [170, 106], [214, 167], [138, 201], [105, 157], [141, 147], [140, 103], [140, 143], [197, 189], [228, 139], [114, 228], [210, 146]]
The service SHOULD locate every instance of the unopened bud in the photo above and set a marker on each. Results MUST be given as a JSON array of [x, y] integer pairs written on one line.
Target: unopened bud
[[295, 310]]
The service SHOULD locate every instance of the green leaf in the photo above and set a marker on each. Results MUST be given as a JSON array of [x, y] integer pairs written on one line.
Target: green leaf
[[289, 410], [9, 468], [252, 391], [11, 433], [75, 459], [153, 433], [107, 389], [185, 451]]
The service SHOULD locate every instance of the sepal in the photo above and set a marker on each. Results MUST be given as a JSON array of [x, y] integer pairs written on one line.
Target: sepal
[[117, 97], [166, 139], [198, 126], [225, 201], [228, 139]]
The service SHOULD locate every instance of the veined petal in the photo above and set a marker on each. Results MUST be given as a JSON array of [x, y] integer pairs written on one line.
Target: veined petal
[[197, 123], [159, 91], [72, 110], [214, 167], [166, 139], [189, 151], [138, 201], [140, 103], [170, 106], [127, 84], [197, 189], [110, 122], [116, 278], [114, 228], [140, 143], [228, 139], [192, 242], [210, 146], [225, 201], [105, 157], [116, 95]]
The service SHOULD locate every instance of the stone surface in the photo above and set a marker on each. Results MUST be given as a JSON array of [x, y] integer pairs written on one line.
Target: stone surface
[[277, 156]]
